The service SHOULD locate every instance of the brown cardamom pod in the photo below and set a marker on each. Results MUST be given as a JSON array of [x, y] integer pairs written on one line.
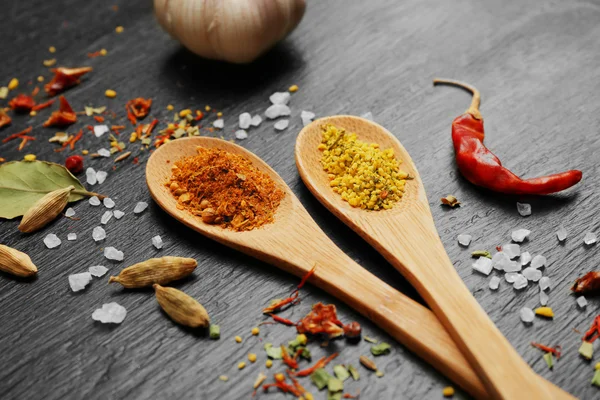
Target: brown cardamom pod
[[183, 309], [15, 262], [155, 270], [45, 210]]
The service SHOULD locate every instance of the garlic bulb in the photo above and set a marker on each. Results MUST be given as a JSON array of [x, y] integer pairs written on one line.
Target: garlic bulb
[[232, 30]]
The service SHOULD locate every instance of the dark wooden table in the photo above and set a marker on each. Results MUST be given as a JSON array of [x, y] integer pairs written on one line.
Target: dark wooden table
[[536, 64]]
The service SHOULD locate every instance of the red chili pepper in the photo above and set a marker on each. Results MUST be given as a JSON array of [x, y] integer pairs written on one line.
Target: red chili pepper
[[17, 135], [289, 361], [74, 164], [281, 320], [322, 319], [199, 115], [482, 168], [284, 387], [297, 384], [588, 283], [63, 117], [557, 351], [35, 91], [305, 277], [22, 103], [41, 106], [76, 139], [138, 108], [277, 306], [64, 78], [151, 127], [594, 331], [99, 118], [24, 141], [321, 363], [5, 120]]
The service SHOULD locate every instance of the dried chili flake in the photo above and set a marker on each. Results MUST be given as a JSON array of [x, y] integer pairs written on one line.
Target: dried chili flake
[[289, 361], [64, 116], [321, 363], [277, 305], [594, 332], [17, 135], [5, 120], [24, 140], [65, 78], [282, 320], [41, 106], [35, 91], [557, 350], [588, 283], [138, 108], [22, 103], [322, 319], [99, 118]]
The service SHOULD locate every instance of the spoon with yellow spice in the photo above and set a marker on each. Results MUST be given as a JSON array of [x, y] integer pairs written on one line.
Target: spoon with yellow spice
[[396, 220], [295, 243]]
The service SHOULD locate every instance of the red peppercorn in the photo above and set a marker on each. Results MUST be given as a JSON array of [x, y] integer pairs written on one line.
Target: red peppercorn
[[352, 330], [74, 164]]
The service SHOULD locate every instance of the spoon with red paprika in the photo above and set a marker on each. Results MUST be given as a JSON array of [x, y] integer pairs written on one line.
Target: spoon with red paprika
[[481, 167]]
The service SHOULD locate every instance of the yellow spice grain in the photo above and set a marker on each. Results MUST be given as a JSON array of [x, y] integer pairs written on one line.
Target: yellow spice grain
[[170, 107], [238, 339], [111, 94], [308, 396], [241, 365], [40, 78], [448, 391], [207, 108], [30, 157], [219, 114], [32, 113], [13, 84], [52, 49], [255, 331], [119, 29], [293, 88], [597, 366], [361, 173], [269, 363], [85, 152], [252, 357], [184, 113], [103, 52]]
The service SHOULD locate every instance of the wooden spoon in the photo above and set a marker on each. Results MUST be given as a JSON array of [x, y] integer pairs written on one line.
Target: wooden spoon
[[295, 244], [406, 236]]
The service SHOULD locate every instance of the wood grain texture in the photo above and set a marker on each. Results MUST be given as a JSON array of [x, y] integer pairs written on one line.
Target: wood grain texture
[[535, 62]]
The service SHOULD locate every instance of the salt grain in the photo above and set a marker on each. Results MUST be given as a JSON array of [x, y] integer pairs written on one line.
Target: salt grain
[[113, 254], [79, 281], [245, 120], [282, 124], [524, 209], [499, 260], [108, 202], [277, 110], [561, 234], [256, 120], [512, 266], [118, 214], [520, 282], [525, 258], [544, 298], [464, 240], [98, 234], [590, 238], [241, 134], [157, 242], [70, 212], [110, 313], [538, 261], [280, 98], [307, 117], [581, 302], [106, 217], [483, 265], [100, 130], [510, 277], [532, 274], [101, 176], [72, 236], [140, 207], [98, 270], [90, 176], [527, 315], [494, 283], [512, 250], [544, 283], [103, 152], [51, 241], [94, 201], [219, 123], [519, 235]]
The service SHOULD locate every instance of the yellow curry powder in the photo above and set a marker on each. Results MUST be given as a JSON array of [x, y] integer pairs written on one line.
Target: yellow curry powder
[[364, 175]]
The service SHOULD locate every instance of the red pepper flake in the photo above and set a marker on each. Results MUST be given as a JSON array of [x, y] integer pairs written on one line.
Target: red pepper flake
[[99, 118], [319, 364], [90, 128], [22, 103], [199, 115], [64, 116], [588, 283], [322, 319], [5, 120], [65, 78], [136, 160], [284, 387], [349, 396], [281, 320], [557, 351], [41, 106], [151, 127], [137, 108], [305, 277], [17, 135], [76, 139], [24, 141], [35, 91], [95, 54], [278, 305], [594, 331], [289, 361], [498, 248]]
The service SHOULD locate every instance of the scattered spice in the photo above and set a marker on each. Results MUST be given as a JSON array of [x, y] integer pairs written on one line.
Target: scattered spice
[[481, 253], [450, 201], [259, 380], [5, 120], [255, 331], [22, 103], [137, 108], [223, 378], [52, 49], [241, 365], [448, 391], [64, 116], [50, 62], [122, 156], [544, 312], [589, 283], [215, 332], [549, 360], [557, 351], [381, 349], [273, 352], [323, 320], [183, 309], [111, 94], [341, 372], [321, 363], [119, 29], [354, 372], [224, 189], [238, 339], [65, 78], [21, 134], [269, 363], [15, 262], [252, 357], [320, 378], [586, 350], [41, 106], [293, 88], [360, 172], [155, 270], [13, 84]]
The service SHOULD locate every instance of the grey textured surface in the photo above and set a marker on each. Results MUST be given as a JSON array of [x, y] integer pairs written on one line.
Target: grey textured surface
[[536, 64]]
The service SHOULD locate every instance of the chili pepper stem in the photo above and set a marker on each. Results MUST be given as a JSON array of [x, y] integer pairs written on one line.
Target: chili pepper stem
[[475, 101], [89, 194]]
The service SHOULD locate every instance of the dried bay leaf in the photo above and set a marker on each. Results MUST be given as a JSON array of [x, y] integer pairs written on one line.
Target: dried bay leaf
[[22, 183]]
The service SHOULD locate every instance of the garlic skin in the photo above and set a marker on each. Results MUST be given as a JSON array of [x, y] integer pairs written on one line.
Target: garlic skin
[[237, 31]]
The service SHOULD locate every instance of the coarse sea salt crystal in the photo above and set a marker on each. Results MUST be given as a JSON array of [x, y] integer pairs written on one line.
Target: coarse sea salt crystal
[[219, 123], [544, 298], [113, 254], [512, 250], [281, 124], [561, 234], [519, 235], [494, 283], [70, 212], [90, 176], [157, 242], [103, 152], [256, 120], [520, 282], [79, 281], [590, 238], [106, 217], [111, 313], [499, 260], [72, 236], [108, 202], [277, 110], [525, 258], [245, 120], [307, 117], [538, 261], [464, 240], [483, 265], [581, 302], [241, 134], [140, 206], [118, 214], [98, 270], [51, 241], [98, 233], [544, 283], [527, 315], [368, 115], [524, 209], [94, 201], [101, 176], [532, 274], [512, 266], [100, 130], [510, 277], [280, 98]]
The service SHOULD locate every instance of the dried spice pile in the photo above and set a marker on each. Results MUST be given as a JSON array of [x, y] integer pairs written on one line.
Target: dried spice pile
[[224, 189]]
